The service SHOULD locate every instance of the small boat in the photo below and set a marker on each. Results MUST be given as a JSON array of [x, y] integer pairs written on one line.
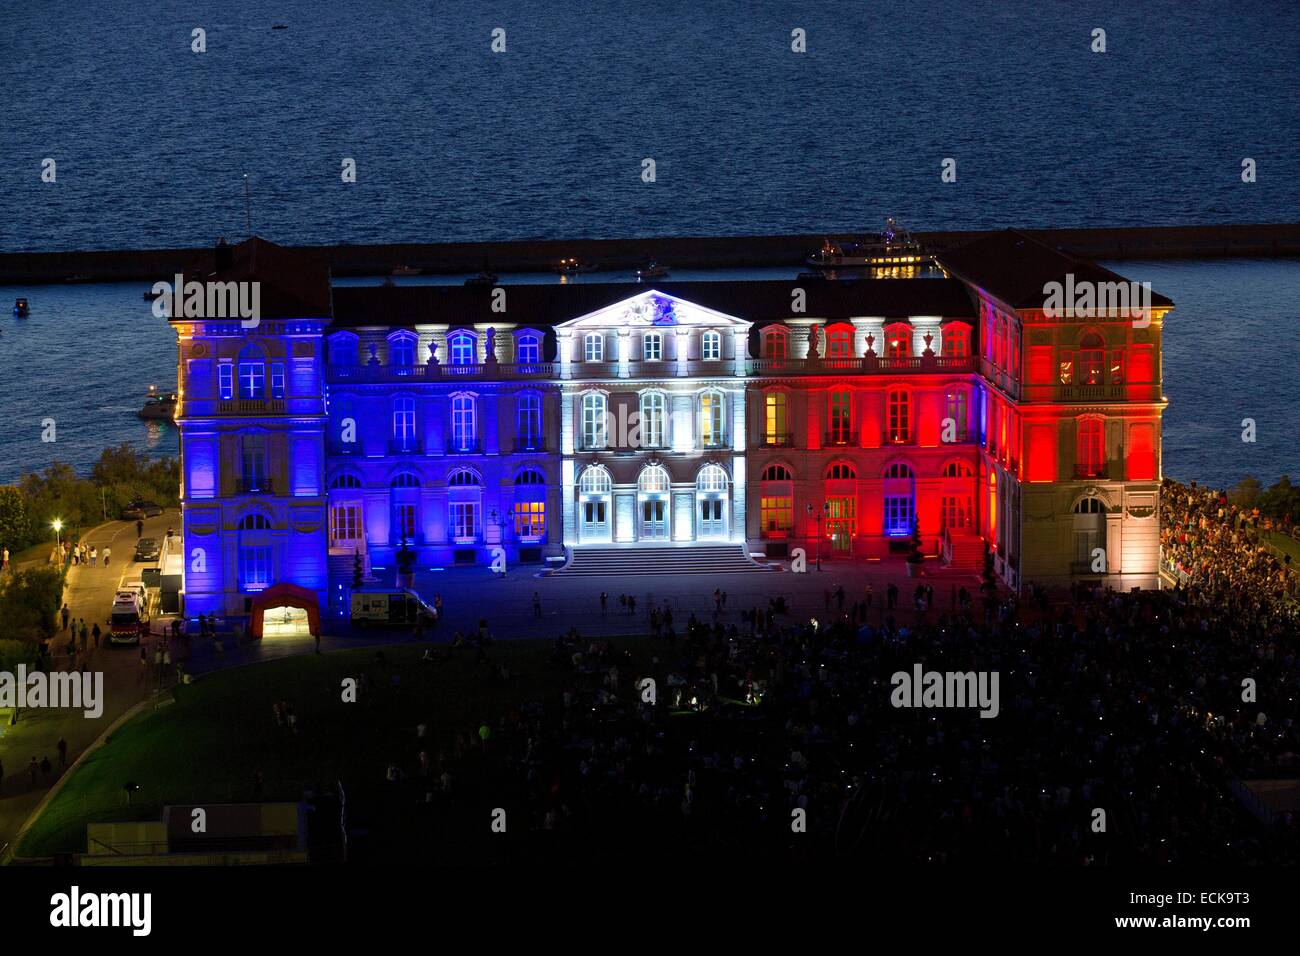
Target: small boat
[[406, 271], [280, 26], [21, 309], [482, 280], [652, 270], [893, 246], [158, 407], [573, 266], [150, 295]]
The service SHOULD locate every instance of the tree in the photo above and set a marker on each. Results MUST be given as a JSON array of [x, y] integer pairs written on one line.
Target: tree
[[16, 531], [29, 604], [1246, 492]]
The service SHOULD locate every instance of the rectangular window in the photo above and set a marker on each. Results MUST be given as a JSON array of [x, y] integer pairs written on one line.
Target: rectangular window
[[593, 421], [253, 462], [462, 350], [711, 419], [529, 350], [530, 519], [955, 428], [774, 406], [463, 520], [900, 417], [345, 522], [252, 380], [405, 515], [594, 347], [955, 512], [226, 380], [652, 347], [898, 515], [1117, 367], [277, 380], [255, 567], [462, 423], [1090, 370], [1067, 367], [777, 514], [529, 424], [841, 418], [712, 350]]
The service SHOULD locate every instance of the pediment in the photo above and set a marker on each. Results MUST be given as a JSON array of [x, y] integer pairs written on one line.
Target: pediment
[[654, 309]]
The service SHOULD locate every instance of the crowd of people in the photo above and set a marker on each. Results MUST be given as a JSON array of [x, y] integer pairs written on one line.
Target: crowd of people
[[1125, 731]]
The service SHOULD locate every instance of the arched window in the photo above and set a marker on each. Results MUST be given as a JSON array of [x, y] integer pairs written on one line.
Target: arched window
[[404, 424], [252, 373], [343, 350], [841, 417], [899, 470], [463, 347], [841, 471], [839, 341], [652, 419], [463, 478], [255, 522], [1090, 453], [776, 473], [654, 479], [464, 433], [900, 416], [401, 350], [1092, 359], [528, 349], [711, 478], [530, 476], [958, 469], [776, 343], [956, 339], [593, 421], [528, 421], [652, 347], [711, 347], [775, 432], [1089, 506], [593, 347], [595, 481], [346, 480], [898, 340], [405, 479], [711, 419]]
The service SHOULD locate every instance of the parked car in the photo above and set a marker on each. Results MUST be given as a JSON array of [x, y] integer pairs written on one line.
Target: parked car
[[140, 509], [146, 549]]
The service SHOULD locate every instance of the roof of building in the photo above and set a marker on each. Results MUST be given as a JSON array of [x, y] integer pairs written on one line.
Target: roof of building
[[755, 301], [293, 284], [1015, 267]]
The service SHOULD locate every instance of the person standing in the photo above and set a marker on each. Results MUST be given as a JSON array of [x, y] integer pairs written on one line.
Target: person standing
[[604, 600], [139, 528], [537, 604], [65, 613], [107, 553], [85, 635], [94, 556], [63, 753], [94, 634], [32, 770], [4, 560]]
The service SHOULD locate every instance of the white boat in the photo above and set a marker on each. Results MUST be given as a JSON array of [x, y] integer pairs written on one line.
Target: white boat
[[893, 246]]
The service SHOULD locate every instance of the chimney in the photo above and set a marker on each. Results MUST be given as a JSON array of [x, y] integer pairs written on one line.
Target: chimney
[[225, 255]]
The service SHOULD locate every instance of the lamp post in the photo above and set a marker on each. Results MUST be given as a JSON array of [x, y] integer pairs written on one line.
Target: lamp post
[[57, 525], [820, 514]]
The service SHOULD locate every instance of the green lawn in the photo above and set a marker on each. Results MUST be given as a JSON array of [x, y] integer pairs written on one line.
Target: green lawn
[[208, 744], [1285, 544]]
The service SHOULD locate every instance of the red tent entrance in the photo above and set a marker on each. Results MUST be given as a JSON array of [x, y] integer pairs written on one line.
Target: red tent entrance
[[285, 609]]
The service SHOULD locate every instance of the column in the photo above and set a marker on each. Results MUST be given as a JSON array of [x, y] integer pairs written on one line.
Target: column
[[740, 345], [624, 339], [683, 351], [564, 351], [567, 484]]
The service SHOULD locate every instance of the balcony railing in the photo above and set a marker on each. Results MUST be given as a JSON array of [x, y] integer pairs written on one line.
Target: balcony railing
[[529, 445], [464, 446], [435, 373], [1084, 472], [405, 446], [840, 438], [777, 440], [255, 486], [872, 365], [251, 406], [1131, 392]]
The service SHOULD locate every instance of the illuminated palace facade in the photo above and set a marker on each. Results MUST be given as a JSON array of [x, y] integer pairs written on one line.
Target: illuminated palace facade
[[763, 416]]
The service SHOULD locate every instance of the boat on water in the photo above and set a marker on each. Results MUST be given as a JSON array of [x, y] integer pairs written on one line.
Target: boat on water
[[150, 295], [21, 309], [158, 407], [573, 266], [406, 271], [652, 270], [482, 280], [892, 246]]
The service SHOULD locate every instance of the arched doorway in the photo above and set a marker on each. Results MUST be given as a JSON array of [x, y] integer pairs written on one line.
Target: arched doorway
[[711, 503], [653, 500], [594, 490]]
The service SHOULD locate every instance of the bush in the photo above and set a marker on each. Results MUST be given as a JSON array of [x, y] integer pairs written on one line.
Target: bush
[[13, 653], [16, 530], [29, 605]]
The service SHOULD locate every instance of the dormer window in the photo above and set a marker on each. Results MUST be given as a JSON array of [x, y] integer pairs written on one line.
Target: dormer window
[[529, 349], [462, 346], [839, 342], [401, 351], [776, 343], [898, 340]]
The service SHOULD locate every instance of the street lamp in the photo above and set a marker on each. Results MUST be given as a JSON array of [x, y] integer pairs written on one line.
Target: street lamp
[[57, 525], [824, 512]]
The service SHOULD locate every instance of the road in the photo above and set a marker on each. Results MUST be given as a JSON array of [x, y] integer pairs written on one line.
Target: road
[[89, 594]]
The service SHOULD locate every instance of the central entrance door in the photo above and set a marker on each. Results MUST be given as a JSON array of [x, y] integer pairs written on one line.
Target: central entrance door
[[654, 519], [713, 522], [595, 519]]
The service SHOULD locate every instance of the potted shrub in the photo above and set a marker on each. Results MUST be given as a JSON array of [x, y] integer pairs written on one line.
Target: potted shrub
[[915, 559], [405, 566]]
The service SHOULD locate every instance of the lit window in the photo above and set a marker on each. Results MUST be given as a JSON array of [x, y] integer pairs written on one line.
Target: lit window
[[528, 427], [404, 424], [252, 380], [530, 350], [898, 341], [1117, 367], [255, 567], [464, 520], [654, 479], [1091, 452], [226, 380], [711, 419], [774, 418], [594, 347], [1067, 367], [955, 411], [401, 351], [841, 411], [898, 515], [652, 347], [712, 478], [956, 339], [595, 481], [462, 348], [530, 519], [839, 342], [776, 344], [277, 380], [776, 513], [1092, 355]]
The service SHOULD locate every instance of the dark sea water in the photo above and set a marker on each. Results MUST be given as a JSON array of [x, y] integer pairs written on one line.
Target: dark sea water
[[87, 353], [454, 142]]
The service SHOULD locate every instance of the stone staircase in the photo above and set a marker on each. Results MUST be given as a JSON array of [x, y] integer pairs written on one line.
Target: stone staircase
[[660, 559], [965, 552]]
